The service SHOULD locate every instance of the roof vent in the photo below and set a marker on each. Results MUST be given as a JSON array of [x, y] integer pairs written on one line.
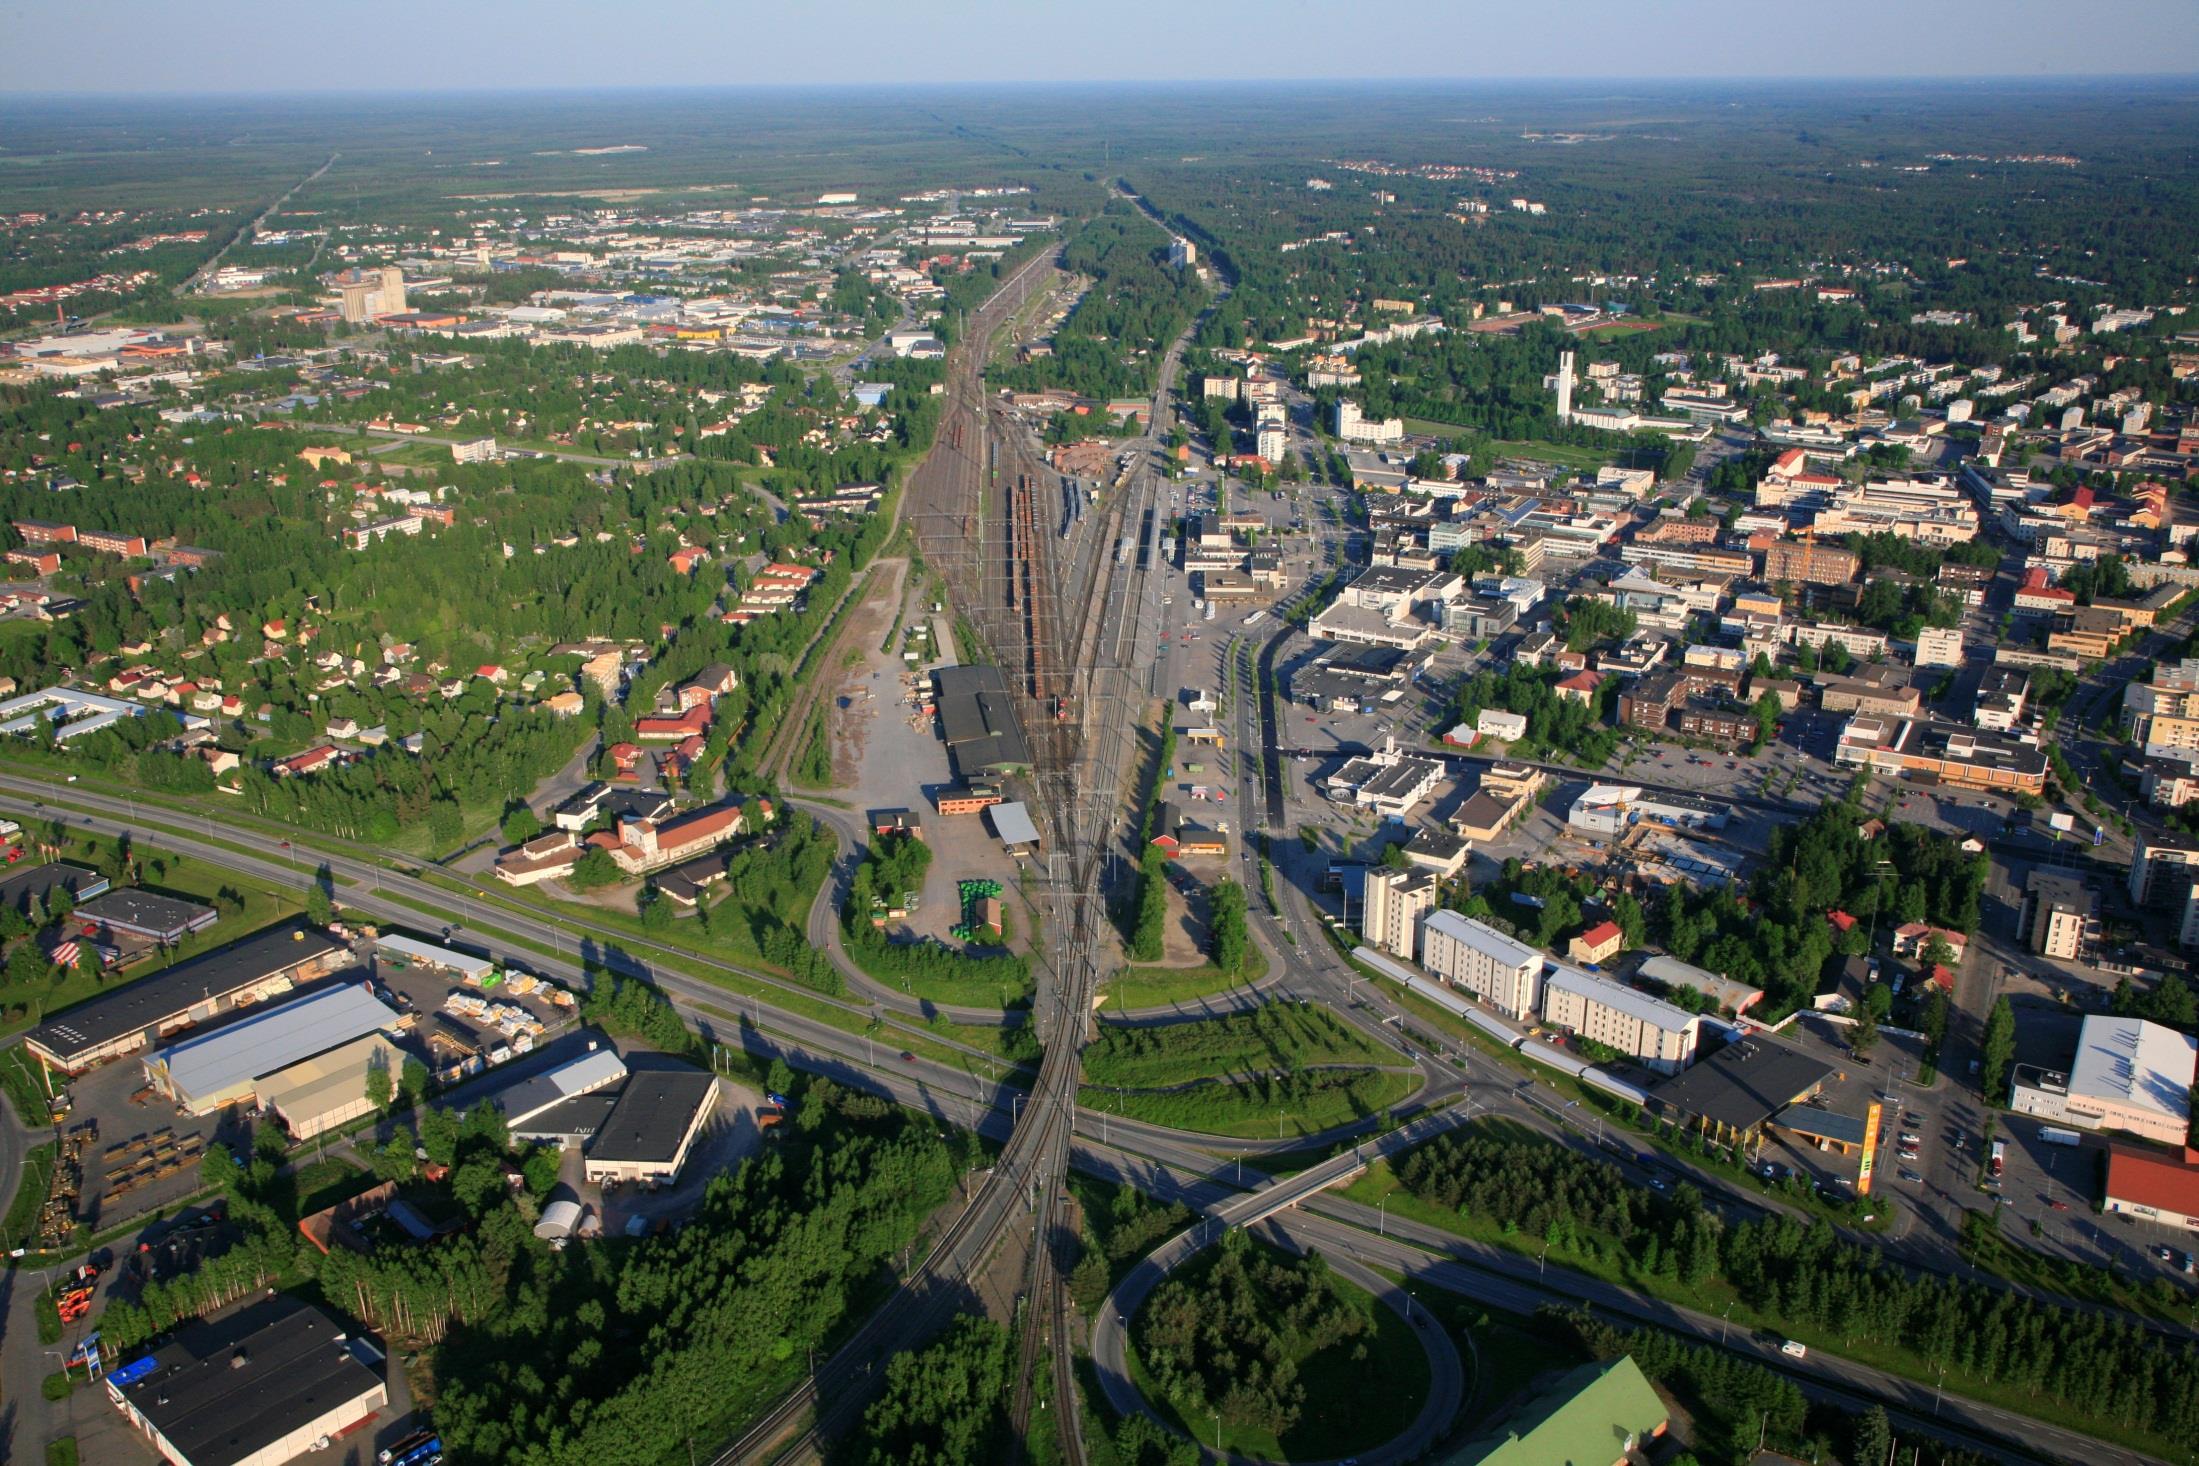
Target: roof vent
[[239, 1359]]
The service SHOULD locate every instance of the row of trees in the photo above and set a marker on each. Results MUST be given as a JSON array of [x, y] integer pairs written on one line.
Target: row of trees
[[1806, 1277]]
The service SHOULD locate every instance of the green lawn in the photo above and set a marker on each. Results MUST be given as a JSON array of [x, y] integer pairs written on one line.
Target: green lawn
[[1297, 1104], [1351, 1403], [1132, 988], [1266, 1039]]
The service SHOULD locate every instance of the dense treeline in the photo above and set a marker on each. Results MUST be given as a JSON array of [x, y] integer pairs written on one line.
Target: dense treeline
[[1576, 1204], [627, 1354], [1776, 935], [1226, 1334], [1110, 345], [945, 1404], [1806, 1277]]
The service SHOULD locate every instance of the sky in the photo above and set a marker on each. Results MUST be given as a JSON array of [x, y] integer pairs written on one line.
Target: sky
[[235, 47]]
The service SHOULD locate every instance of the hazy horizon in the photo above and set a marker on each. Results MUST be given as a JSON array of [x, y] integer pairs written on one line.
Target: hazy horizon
[[260, 48]]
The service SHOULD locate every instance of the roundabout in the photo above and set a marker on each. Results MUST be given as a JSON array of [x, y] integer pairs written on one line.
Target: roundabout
[[1111, 1331]]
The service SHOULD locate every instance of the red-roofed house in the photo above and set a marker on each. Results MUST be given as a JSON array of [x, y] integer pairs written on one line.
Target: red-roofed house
[[2159, 1185], [1841, 921], [1600, 943], [490, 672], [685, 561], [694, 721], [1911, 938], [1580, 687], [311, 761], [2036, 595], [645, 845]]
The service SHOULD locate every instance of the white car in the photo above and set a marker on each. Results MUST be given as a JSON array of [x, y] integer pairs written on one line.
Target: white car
[[1794, 1350]]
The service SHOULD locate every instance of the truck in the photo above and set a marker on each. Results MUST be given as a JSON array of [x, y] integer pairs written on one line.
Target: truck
[[1122, 551], [2052, 1135], [1998, 1159]]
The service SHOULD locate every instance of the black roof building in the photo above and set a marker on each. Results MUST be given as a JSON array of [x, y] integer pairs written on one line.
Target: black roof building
[[141, 913], [277, 1374], [20, 887], [977, 715], [1734, 1091], [654, 1113], [189, 992]]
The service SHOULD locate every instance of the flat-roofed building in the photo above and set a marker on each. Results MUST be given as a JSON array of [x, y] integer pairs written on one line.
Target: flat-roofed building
[[1393, 903], [651, 1130], [191, 992], [256, 1387], [222, 1067], [2057, 907], [2128, 1075], [1649, 1030], [1731, 996], [1947, 752], [147, 915], [1502, 971], [318, 1094]]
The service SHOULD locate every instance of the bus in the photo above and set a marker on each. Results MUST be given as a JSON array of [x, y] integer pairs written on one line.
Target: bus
[[1999, 1158], [1255, 618]]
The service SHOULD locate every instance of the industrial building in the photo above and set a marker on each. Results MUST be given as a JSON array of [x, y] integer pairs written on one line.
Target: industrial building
[[223, 1067], [652, 1128], [565, 1102], [1501, 971], [1734, 1093], [327, 1090], [978, 719], [266, 963], [255, 1388], [20, 888], [2159, 1185], [146, 915], [432, 957], [2128, 1075]]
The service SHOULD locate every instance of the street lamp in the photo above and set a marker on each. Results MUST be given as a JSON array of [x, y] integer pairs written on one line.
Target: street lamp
[[1217, 1418]]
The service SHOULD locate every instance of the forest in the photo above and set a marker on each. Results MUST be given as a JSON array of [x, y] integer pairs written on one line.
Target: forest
[[1775, 935], [1110, 345], [1805, 1277]]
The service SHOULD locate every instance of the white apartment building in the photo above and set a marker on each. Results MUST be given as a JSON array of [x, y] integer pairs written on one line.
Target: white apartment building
[[1659, 1034], [1501, 971], [1394, 901], [1353, 426]]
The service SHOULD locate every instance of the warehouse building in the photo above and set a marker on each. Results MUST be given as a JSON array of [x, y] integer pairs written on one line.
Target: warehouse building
[[255, 1388], [543, 1106], [2160, 1186], [434, 958], [977, 718], [224, 1067], [131, 1018], [146, 915], [327, 1090], [2128, 1075], [650, 1131]]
